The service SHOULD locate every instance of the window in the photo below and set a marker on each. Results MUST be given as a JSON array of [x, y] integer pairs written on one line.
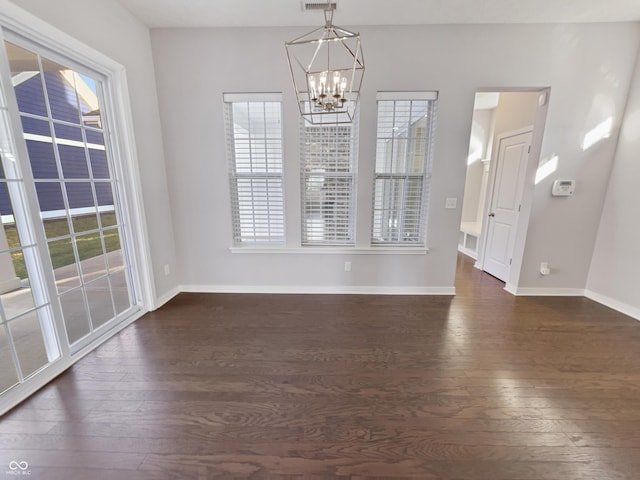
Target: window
[[402, 172], [254, 146], [328, 157]]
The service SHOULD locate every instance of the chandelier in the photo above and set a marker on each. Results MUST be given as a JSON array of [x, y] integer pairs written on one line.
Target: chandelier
[[327, 69]]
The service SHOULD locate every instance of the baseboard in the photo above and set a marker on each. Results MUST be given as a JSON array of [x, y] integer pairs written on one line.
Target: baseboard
[[160, 301], [544, 292], [633, 312], [298, 289]]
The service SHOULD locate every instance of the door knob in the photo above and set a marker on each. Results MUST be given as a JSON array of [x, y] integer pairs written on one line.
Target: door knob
[[492, 214]]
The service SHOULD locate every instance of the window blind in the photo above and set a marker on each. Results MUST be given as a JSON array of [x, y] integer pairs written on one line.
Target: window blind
[[254, 146], [328, 155], [402, 170]]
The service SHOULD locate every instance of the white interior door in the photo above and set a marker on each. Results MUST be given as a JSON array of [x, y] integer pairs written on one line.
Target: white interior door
[[511, 162]]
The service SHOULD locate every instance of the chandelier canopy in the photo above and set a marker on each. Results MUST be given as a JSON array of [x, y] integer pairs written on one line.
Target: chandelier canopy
[[327, 69]]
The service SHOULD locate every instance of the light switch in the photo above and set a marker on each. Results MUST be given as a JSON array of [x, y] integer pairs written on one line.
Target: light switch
[[451, 202]]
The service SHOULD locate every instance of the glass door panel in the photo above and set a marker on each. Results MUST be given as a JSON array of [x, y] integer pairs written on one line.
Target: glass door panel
[[76, 318], [27, 337], [29, 342], [74, 180], [8, 372]]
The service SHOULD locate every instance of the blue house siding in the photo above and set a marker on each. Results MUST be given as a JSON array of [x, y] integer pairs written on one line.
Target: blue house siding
[[35, 126], [5, 204], [62, 98], [42, 159], [50, 194], [99, 165], [68, 132], [30, 97], [104, 194], [94, 137], [74, 163]]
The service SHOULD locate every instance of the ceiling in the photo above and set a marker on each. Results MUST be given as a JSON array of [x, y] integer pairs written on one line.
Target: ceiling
[[264, 13]]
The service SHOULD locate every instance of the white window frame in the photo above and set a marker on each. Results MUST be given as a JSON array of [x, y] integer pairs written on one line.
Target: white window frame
[[314, 234], [259, 218], [416, 209]]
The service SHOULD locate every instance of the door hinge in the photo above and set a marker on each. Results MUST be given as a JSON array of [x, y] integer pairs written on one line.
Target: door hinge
[[529, 150], [519, 207], [510, 260]]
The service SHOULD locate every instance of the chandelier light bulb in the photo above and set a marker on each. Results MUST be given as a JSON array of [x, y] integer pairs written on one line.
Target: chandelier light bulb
[[336, 84], [312, 88]]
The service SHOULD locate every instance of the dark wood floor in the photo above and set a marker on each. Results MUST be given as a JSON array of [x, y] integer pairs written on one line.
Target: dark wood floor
[[480, 386]]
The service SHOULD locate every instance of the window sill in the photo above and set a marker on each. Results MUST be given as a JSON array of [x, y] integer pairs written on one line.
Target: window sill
[[328, 250]]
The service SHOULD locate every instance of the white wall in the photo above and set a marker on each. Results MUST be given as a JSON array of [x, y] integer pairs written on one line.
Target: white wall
[[515, 110], [588, 68], [472, 190], [112, 30], [614, 275], [562, 230], [481, 134]]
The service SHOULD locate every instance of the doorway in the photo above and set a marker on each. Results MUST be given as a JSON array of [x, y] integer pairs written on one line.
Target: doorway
[[504, 145]]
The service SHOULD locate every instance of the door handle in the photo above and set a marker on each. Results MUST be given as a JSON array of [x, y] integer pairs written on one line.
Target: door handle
[[492, 214]]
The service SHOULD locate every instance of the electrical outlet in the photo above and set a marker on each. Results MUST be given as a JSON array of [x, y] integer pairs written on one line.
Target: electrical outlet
[[347, 266], [451, 202], [544, 268], [167, 270]]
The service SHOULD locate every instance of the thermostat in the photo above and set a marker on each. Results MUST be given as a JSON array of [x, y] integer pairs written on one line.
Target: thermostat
[[563, 188]]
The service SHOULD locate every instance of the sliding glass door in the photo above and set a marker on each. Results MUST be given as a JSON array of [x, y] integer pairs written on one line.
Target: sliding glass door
[[65, 269], [63, 130]]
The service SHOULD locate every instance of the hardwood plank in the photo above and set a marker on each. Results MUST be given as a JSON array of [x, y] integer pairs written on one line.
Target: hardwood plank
[[253, 466], [481, 386]]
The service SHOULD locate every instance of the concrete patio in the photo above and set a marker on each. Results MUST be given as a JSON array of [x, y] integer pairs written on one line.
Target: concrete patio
[[26, 330]]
